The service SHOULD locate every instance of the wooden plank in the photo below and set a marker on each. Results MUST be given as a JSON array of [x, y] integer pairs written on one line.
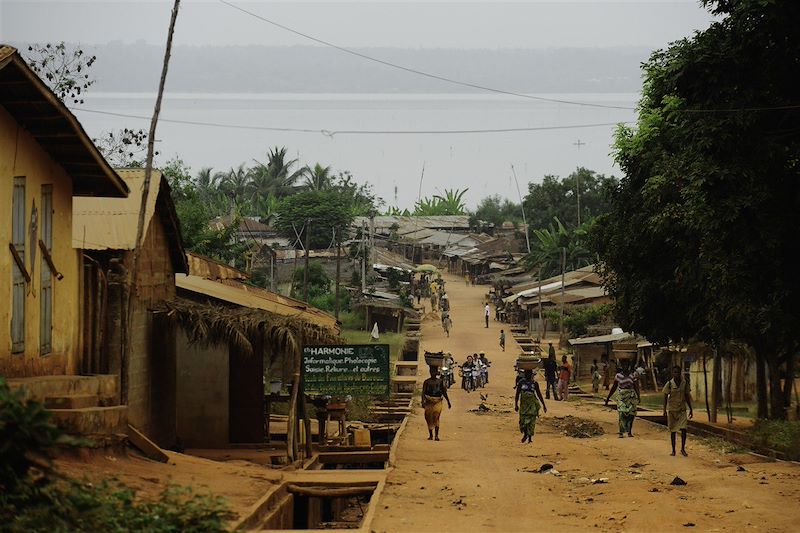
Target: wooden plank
[[334, 458], [146, 446], [329, 492]]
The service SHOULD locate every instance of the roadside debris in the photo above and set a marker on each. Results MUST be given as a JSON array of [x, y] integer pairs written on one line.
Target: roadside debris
[[677, 481], [573, 426]]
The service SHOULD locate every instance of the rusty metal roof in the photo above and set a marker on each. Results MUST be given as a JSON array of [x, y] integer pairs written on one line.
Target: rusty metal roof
[[111, 223], [40, 112], [235, 292], [205, 267]]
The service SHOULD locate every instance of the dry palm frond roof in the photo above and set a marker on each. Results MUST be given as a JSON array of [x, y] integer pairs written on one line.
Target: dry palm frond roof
[[244, 327]]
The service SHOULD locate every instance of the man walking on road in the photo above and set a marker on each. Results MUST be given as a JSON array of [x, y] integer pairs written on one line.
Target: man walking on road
[[502, 340], [433, 392], [550, 368], [486, 312], [676, 399], [564, 372]]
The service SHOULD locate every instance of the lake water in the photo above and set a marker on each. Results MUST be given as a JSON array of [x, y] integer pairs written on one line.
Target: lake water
[[480, 161]]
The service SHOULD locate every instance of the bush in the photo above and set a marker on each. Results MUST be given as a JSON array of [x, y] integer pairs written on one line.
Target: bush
[[779, 435], [33, 497], [72, 506], [27, 438]]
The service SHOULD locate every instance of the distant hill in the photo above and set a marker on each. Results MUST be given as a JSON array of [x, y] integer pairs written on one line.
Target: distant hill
[[124, 67]]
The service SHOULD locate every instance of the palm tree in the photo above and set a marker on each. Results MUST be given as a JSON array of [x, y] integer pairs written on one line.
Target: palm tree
[[452, 202], [276, 177], [207, 183], [318, 178], [235, 184]]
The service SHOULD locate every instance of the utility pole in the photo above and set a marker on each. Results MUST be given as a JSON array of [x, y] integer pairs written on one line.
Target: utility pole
[[305, 268], [338, 270], [578, 181], [148, 170], [522, 208], [541, 323], [363, 258], [561, 318]]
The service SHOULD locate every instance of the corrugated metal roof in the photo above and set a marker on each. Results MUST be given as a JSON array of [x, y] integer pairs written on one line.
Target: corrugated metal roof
[[237, 293], [39, 111], [205, 267], [613, 337], [111, 223]]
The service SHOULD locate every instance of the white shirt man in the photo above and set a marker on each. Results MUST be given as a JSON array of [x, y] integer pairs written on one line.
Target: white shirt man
[[486, 312]]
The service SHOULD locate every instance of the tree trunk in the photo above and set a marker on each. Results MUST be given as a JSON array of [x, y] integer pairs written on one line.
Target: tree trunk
[[716, 378], [777, 409], [729, 389], [788, 383], [761, 387], [705, 382]]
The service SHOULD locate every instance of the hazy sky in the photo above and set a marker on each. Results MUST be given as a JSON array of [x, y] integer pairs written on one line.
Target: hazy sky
[[375, 23]]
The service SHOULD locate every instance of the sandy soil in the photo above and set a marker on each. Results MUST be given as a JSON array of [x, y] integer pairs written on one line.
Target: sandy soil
[[480, 477], [240, 482]]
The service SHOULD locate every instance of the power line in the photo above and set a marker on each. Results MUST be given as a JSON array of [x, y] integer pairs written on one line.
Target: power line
[[416, 71], [484, 87], [333, 133]]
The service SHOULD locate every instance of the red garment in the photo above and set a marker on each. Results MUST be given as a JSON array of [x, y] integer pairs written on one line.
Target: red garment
[[565, 371]]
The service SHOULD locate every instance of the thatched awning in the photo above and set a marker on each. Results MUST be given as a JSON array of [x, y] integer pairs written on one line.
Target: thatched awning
[[245, 327]]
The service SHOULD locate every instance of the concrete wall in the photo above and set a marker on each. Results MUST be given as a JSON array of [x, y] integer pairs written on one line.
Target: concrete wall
[[20, 155], [151, 376], [203, 400]]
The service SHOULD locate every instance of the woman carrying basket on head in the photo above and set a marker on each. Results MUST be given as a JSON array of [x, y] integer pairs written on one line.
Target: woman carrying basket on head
[[528, 401]]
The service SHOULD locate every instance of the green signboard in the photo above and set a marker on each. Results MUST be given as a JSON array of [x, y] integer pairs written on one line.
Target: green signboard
[[354, 369]]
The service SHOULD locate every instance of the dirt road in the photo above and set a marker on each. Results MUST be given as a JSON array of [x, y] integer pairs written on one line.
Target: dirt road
[[480, 477]]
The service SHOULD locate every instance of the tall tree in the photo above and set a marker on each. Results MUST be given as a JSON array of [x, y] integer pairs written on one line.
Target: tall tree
[[496, 210], [696, 243], [555, 197], [318, 178], [276, 177]]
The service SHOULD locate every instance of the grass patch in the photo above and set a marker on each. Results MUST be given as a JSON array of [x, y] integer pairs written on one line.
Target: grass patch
[[779, 435], [352, 320], [394, 340]]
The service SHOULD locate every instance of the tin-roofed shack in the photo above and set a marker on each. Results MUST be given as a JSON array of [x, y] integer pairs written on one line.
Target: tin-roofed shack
[[105, 230], [234, 339]]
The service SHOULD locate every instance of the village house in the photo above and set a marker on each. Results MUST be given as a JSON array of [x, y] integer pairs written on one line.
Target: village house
[[46, 159], [106, 232]]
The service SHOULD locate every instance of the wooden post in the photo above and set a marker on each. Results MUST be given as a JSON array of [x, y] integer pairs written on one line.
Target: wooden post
[[291, 429], [705, 383], [305, 268], [541, 323], [338, 271], [148, 170]]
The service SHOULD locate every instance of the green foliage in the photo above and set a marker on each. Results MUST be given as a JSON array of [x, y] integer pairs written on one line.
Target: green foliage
[[451, 203], [327, 210], [72, 506], [555, 197], [327, 301], [318, 281], [549, 246], [35, 498], [495, 210], [27, 438], [694, 246], [577, 319], [778, 435]]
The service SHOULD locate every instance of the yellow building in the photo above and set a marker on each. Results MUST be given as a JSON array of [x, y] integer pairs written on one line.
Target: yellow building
[[46, 158]]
